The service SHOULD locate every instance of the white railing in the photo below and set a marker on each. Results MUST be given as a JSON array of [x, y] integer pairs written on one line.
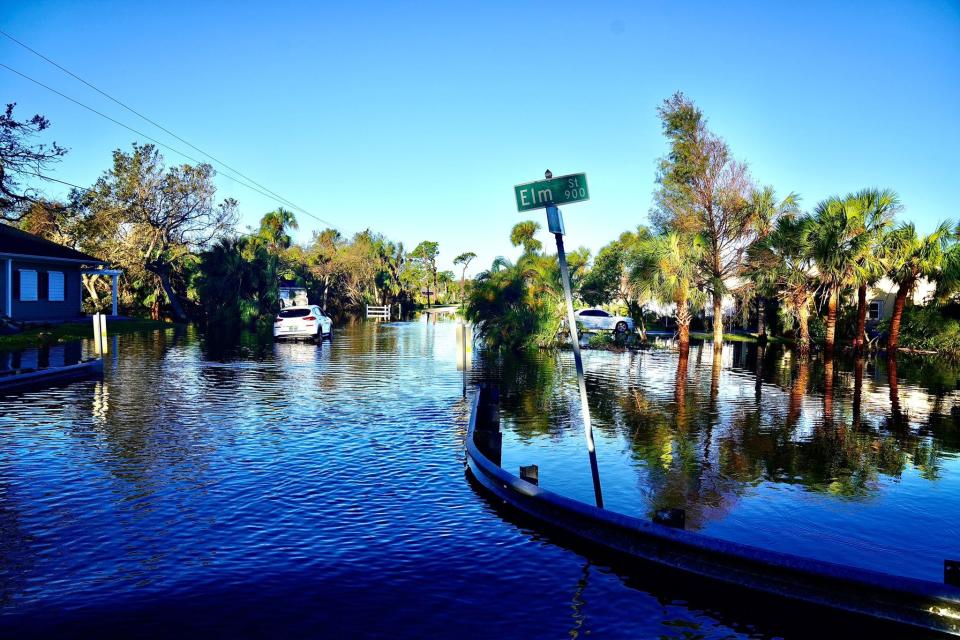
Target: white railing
[[381, 312]]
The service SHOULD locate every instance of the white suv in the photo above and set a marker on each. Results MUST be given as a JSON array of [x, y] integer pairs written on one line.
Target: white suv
[[302, 322], [600, 320]]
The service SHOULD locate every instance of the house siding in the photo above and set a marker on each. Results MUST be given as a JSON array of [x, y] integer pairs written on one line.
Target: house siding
[[47, 310], [885, 292]]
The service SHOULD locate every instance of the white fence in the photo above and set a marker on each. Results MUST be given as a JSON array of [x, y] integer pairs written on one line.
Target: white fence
[[378, 312]]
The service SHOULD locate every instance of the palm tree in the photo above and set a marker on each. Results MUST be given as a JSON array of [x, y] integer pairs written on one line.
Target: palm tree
[[499, 264], [274, 227], [665, 268], [523, 234], [464, 259], [911, 258], [782, 262], [444, 280], [837, 246], [876, 209], [766, 210]]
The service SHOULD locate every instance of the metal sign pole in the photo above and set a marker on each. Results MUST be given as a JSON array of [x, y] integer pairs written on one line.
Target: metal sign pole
[[555, 224]]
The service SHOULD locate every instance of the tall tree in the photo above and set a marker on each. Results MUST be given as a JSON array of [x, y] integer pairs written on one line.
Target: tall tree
[[322, 261], [704, 190], [523, 235], [766, 210], [275, 228], [876, 209], [464, 260], [238, 282], [609, 280], [782, 262], [665, 269], [444, 280], [22, 160], [426, 254], [169, 214], [912, 258], [838, 246]]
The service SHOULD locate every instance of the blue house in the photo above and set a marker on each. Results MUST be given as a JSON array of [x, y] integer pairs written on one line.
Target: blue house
[[40, 281]]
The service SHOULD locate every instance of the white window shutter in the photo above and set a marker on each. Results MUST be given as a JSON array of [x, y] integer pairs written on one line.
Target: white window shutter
[[55, 286], [28, 285]]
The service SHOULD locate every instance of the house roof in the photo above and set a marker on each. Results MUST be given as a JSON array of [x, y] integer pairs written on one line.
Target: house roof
[[15, 242]]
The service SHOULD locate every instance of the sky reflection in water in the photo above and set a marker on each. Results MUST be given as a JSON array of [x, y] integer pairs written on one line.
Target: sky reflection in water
[[235, 486], [757, 446]]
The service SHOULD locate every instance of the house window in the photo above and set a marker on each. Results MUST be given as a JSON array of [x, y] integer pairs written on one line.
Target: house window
[[55, 286], [28, 285], [875, 310]]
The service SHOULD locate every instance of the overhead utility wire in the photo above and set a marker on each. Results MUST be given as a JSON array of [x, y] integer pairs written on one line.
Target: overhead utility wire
[[269, 196], [153, 122], [129, 128], [88, 190]]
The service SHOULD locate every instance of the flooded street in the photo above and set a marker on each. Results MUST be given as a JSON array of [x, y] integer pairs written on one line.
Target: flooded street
[[259, 489]]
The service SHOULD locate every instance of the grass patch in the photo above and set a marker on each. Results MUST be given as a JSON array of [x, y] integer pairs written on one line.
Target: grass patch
[[53, 334], [739, 337]]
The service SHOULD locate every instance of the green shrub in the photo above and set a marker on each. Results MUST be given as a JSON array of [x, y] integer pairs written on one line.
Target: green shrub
[[932, 327], [499, 305], [601, 340]]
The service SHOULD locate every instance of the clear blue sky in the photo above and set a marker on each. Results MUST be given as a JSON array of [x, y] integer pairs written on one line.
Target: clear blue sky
[[416, 119]]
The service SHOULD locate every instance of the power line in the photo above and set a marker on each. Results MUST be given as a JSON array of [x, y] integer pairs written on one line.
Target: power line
[[153, 122], [88, 190], [129, 128], [269, 196]]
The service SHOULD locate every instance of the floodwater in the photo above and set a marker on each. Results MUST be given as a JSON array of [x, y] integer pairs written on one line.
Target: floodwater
[[253, 489]]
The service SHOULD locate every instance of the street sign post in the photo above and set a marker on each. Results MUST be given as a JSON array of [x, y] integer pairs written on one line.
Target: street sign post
[[548, 194], [552, 191]]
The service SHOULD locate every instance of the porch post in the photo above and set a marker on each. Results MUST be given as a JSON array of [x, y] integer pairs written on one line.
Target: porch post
[[113, 295], [8, 303]]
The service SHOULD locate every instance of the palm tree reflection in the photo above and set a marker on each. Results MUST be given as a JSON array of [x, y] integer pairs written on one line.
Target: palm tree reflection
[[702, 442]]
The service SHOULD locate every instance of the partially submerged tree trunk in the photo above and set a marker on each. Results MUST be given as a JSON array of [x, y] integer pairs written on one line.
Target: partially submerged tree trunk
[[896, 412], [762, 320], [715, 366], [860, 335], [758, 373], [798, 389], [162, 271], [636, 312], [831, 330], [828, 389], [680, 390], [803, 320], [683, 325], [717, 320], [857, 391], [898, 304]]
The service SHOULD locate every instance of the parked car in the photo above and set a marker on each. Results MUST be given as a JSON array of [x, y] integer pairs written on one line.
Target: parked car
[[304, 321], [600, 320]]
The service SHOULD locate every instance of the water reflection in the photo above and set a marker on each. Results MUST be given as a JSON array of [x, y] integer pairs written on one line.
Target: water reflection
[[212, 485], [56, 355], [745, 437]]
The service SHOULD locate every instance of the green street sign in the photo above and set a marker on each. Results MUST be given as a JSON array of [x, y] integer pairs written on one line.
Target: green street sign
[[555, 191]]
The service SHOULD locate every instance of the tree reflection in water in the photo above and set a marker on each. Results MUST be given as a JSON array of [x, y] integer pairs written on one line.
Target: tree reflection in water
[[700, 443]]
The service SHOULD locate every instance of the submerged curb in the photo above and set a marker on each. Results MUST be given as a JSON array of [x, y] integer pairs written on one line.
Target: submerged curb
[[881, 596]]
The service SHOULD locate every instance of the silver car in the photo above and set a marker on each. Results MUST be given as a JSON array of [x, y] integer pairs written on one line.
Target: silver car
[[600, 320]]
